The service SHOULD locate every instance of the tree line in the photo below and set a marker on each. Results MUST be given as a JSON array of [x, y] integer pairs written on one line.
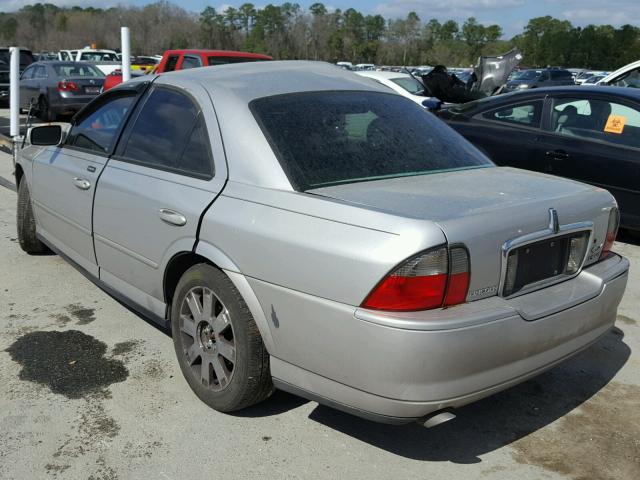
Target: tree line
[[288, 31]]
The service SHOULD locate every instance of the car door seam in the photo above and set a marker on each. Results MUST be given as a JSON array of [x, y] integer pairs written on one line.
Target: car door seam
[[224, 152]]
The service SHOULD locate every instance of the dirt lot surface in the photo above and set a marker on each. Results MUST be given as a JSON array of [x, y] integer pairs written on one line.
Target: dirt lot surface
[[88, 390]]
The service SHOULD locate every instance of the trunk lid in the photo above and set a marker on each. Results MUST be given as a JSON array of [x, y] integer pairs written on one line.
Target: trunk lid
[[87, 85], [483, 208]]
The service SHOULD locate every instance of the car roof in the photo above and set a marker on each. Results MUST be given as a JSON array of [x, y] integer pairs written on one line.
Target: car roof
[[60, 62], [244, 82], [386, 75], [625, 92], [578, 91], [217, 53]]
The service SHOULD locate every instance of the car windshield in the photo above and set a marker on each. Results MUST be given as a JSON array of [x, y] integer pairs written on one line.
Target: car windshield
[[26, 58], [76, 70], [330, 138], [594, 79], [98, 57], [528, 75], [410, 84]]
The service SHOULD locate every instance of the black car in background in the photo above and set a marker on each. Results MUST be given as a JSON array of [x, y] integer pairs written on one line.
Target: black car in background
[[548, 77], [590, 134], [26, 59]]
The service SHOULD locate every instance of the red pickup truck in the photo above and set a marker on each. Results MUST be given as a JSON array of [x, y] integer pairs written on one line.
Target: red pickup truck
[[183, 59]]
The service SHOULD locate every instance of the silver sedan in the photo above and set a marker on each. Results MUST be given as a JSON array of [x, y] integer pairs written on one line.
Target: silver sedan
[[314, 232], [54, 88]]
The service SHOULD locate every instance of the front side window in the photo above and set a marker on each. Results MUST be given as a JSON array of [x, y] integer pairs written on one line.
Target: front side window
[[526, 114], [172, 61], [170, 134], [329, 138], [596, 119], [97, 130]]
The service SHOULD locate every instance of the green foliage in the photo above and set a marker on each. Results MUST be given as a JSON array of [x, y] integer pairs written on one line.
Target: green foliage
[[287, 31]]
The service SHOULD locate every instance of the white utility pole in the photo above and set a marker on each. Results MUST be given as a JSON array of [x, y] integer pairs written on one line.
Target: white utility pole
[[125, 48], [14, 92], [14, 100]]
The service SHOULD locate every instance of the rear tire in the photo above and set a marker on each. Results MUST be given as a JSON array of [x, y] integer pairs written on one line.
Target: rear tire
[[217, 342], [26, 223], [44, 110]]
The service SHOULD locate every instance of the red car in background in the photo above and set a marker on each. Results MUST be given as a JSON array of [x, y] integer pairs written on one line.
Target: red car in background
[[183, 59]]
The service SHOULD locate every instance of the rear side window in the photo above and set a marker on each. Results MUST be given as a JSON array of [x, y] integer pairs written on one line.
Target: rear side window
[[561, 75], [329, 138], [97, 130], [191, 62], [170, 134], [595, 119], [216, 60], [28, 73], [172, 61], [41, 72]]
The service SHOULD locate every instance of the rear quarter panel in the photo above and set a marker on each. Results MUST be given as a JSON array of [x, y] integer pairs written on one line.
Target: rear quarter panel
[[311, 244]]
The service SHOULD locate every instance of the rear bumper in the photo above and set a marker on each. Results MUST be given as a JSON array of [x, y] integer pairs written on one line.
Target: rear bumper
[[73, 104], [398, 368]]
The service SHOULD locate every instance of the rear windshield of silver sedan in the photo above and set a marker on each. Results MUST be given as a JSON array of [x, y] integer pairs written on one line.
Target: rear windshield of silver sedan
[[330, 138], [68, 70]]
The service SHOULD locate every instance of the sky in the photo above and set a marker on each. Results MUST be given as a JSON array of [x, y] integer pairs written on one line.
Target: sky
[[511, 15]]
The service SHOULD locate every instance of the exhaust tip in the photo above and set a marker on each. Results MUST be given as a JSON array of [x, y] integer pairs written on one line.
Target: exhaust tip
[[437, 418]]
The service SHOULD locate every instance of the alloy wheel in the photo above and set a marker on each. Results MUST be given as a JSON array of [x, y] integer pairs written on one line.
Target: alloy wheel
[[207, 338]]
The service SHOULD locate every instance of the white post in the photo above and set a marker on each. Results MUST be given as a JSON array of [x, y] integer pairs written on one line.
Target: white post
[[125, 48], [14, 92]]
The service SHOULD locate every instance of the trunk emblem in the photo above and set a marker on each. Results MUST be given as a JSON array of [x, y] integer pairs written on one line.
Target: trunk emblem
[[554, 223]]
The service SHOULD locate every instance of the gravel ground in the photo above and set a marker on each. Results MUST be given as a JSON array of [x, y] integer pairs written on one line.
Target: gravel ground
[[88, 390]]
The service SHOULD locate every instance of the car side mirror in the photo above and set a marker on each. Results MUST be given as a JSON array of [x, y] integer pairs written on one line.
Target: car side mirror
[[48, 135], [432, 104]]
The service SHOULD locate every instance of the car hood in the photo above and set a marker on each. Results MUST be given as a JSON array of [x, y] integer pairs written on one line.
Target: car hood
[[492, 71], [514, 83]]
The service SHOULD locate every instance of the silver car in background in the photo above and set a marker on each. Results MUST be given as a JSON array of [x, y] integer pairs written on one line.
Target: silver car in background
[[59, 88], [317, 233]]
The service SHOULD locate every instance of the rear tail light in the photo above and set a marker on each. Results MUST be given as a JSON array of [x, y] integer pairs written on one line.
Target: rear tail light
[[437, 278], [67, 86], [612, 231], [458, 286]]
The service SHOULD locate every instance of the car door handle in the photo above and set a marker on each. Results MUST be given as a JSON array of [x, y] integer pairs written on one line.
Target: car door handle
[[557, 154], [171, 217], [81, 183]]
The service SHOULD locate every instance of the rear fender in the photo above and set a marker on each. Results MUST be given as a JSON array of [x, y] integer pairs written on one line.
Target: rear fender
[[223, 262]]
